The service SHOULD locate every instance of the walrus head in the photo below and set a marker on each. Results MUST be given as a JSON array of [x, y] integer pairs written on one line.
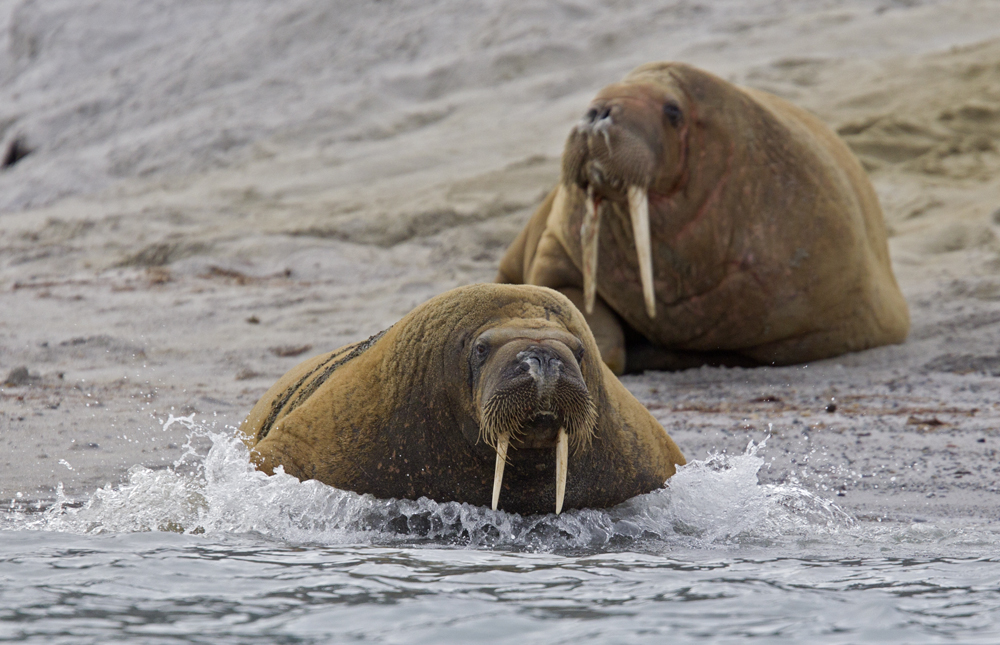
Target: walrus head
[[529, 391], [630, 143]]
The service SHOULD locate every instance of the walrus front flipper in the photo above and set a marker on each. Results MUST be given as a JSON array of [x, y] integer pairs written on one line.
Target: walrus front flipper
[[554, 269], [606, 327], [517, 261]]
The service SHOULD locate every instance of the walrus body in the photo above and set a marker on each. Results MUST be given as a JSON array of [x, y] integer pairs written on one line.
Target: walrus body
[[714, 224], [482, 384]]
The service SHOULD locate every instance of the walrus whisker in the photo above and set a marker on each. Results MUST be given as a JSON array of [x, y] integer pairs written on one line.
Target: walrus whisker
[[638, 207], [502, 442], [562, 467], [502, 414], [589, 231], [579, 416], [513, 412]]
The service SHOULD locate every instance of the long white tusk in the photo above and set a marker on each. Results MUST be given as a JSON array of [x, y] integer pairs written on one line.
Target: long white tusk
[[589, 230], [502, 441], [638, 208], [562, 466]]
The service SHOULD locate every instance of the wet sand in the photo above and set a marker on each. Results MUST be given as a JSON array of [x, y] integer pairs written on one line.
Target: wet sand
[[181, 235]]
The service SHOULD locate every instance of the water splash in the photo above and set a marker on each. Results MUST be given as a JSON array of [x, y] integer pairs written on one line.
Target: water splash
[[717, 501]]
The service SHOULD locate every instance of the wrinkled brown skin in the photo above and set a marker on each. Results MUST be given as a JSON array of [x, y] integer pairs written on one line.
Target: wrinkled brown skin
[[396, 416], [768, 242]]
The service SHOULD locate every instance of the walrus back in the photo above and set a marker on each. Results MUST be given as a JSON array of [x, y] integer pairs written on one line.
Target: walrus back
[[874, 311], [295, 387]]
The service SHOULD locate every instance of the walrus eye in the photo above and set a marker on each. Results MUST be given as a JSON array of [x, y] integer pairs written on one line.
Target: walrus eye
[[579, 355], [481, 349], [673, 112]]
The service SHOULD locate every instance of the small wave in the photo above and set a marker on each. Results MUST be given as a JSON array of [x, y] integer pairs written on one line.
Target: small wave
[[716, 501]]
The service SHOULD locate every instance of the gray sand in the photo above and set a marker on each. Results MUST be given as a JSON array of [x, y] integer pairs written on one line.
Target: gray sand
[[213, 194]]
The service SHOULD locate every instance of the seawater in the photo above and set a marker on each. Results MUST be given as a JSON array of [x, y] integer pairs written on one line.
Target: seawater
[[212, 551]]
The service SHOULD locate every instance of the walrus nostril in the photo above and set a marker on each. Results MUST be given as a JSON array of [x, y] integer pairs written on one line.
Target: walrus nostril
[[543, 365], [598, 113]]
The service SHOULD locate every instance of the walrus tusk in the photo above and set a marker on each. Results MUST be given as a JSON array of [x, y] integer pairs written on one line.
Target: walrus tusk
[[562, 465], [638, 208], [589, 230], [502, 441]]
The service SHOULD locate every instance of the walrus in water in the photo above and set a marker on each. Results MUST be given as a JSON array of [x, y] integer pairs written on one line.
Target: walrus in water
[[485, 394], [700, 222]]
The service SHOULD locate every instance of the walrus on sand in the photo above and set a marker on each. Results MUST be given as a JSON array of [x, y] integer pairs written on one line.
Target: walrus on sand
[[700, 222], [483, 394]]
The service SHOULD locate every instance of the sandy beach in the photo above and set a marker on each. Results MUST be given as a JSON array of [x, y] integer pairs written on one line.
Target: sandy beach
[[197, 197]]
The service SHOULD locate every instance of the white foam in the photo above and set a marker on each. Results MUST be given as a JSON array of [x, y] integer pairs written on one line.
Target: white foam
[[718, 501]]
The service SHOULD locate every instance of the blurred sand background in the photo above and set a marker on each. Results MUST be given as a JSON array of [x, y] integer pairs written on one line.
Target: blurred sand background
[[214, 191]]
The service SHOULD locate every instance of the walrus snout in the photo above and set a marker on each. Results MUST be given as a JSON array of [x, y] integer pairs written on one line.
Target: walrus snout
[[626, 145], [545, 368], [532, 394], [531, 388], [619, 142]]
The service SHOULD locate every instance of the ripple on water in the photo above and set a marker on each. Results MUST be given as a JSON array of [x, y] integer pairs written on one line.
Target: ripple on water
[[210, 550]]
